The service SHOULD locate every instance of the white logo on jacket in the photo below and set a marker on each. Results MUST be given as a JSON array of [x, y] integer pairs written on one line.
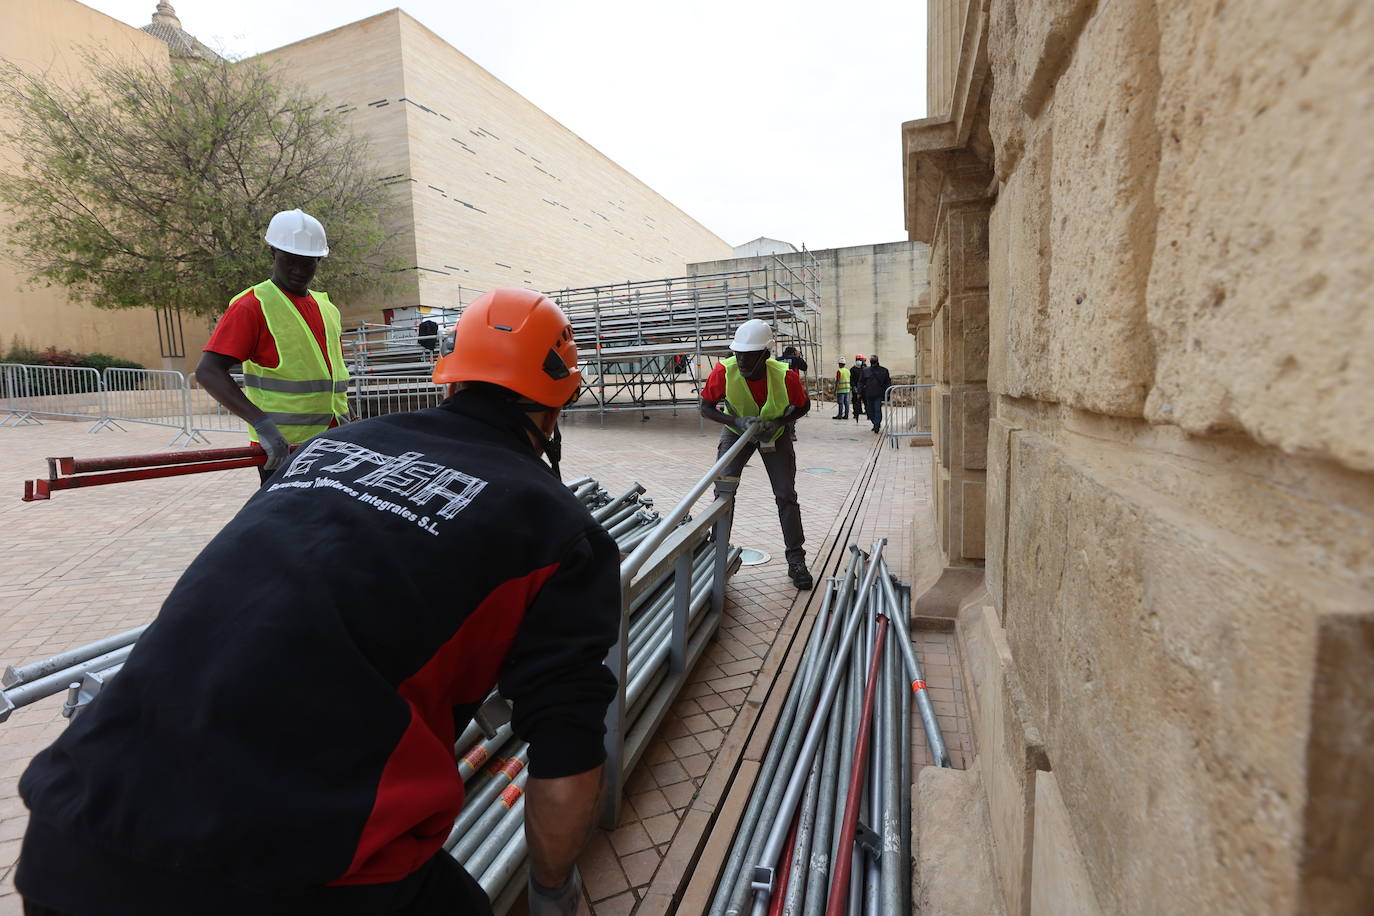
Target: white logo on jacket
[[414, 480]]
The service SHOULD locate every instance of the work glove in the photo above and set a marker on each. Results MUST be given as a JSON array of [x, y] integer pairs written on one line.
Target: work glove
[[741, 424], [272, 442], [556, 901], [767, 429]]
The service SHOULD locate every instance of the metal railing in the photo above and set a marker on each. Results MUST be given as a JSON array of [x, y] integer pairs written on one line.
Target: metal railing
[[375, 395], [163, 397], [56, 392], [206, 415], [906, 412], [156, 397]]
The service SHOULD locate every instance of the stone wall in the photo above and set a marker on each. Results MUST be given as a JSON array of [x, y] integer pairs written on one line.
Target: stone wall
[[865, 294], [1180, 502]]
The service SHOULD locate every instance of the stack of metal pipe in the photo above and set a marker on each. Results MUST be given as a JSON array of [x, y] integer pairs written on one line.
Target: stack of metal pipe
[[80, 671], [827, 826], [488, 837]]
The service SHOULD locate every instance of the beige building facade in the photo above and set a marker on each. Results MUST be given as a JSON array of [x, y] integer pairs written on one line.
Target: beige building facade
[[491, 191], [1151, 331], [866, 293], [488, 189], [49, 36]]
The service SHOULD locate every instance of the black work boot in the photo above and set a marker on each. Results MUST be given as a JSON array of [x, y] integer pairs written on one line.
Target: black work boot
[[800, 576]]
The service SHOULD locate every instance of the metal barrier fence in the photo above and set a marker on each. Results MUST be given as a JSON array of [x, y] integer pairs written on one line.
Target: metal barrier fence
[[156, 397], [906, 412], [56, 392], [206, 415], [163, 397], [375, 395]]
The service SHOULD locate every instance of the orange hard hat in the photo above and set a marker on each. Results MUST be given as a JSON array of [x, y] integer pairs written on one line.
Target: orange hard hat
[[518, 339]]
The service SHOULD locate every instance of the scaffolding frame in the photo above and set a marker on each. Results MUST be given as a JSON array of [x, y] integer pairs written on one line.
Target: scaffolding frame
[[643, 344]]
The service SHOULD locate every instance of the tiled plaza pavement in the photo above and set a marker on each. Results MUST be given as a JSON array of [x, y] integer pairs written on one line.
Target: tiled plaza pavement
[[91, 563]]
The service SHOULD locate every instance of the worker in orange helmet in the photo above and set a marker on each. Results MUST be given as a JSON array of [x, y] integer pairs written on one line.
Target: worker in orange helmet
[[282, 738]]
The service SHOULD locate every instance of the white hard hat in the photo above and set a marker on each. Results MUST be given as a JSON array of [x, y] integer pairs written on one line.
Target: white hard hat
[[297, 232], [754, 334]]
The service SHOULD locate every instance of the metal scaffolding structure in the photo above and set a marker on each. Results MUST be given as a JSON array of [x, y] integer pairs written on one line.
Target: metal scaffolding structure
[[643, 345]]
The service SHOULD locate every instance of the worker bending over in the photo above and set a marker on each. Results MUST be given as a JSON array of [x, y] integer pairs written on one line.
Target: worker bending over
[[281, 740], [757, 389], [286, 335]]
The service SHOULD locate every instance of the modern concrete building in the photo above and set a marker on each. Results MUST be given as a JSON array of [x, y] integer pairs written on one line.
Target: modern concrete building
[[1150, 327], [489, 190], [866, 292]]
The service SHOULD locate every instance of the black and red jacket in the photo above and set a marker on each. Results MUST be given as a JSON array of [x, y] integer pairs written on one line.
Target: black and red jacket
[[288, 720]]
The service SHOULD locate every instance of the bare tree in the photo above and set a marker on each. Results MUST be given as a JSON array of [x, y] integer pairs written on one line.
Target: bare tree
[[151, 185]]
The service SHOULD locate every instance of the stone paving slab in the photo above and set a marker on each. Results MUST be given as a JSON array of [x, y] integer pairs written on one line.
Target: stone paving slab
[[94, 562]]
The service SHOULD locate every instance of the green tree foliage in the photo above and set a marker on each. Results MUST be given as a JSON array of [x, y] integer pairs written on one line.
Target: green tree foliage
[[152, 185]]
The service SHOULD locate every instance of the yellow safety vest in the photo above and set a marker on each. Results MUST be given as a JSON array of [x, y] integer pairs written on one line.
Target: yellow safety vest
[[739, 400], [842, 382], [301, 395]]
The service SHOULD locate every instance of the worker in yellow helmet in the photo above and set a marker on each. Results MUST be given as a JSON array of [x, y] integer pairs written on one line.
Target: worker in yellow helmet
[[757, 389], [286, 335]]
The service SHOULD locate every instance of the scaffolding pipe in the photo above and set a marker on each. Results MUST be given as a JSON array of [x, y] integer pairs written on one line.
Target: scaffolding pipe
[[938, 752], [14, 677], [839, 884], [767, 857]]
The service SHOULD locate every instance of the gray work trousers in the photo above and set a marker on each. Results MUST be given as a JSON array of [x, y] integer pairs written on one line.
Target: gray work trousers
[[781, 464]]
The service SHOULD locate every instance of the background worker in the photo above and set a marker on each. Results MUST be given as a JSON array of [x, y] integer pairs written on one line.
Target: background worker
[[794, 360], [841, 393], [876, 382], [281, 739], [286, 335], [856, 385], [757, 389]]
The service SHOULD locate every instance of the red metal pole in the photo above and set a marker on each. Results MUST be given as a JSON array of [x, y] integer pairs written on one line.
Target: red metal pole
[[156, 459], [839, 883], [785, 875], [40, 489]]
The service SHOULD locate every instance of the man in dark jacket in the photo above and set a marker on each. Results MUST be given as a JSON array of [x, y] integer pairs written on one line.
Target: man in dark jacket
[[282, 738], [876, 382], [856, 383]]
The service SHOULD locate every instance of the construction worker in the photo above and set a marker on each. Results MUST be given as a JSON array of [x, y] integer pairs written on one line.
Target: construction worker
[[876, 382], [281, 740], [286, 335], [856, 386], [841, 393], [757, 389]]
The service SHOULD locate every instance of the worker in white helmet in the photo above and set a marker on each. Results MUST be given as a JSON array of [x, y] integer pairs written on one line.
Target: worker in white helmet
[[286, 335], [757, 389]]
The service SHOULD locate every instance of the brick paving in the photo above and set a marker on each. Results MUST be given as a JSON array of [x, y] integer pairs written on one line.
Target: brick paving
[[91, 563]]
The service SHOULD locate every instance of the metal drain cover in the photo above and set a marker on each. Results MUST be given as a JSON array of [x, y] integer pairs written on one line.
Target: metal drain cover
[[748, 556], [819, 470]]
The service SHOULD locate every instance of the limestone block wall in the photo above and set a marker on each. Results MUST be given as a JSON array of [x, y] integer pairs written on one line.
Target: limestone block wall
[[47, 36], [490, 190], [1180, 465], [865, 293]]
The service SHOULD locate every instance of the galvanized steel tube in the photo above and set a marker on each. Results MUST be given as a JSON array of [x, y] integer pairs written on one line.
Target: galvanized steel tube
[[767, 855], [938, 752], [23, 674]]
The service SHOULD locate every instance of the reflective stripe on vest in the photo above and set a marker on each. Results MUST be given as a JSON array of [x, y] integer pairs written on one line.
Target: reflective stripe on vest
[[739, 399], [281, 384], [300, 394], [842, 382]]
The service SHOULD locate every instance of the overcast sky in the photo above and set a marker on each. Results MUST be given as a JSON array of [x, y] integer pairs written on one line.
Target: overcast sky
[[756, 117]]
